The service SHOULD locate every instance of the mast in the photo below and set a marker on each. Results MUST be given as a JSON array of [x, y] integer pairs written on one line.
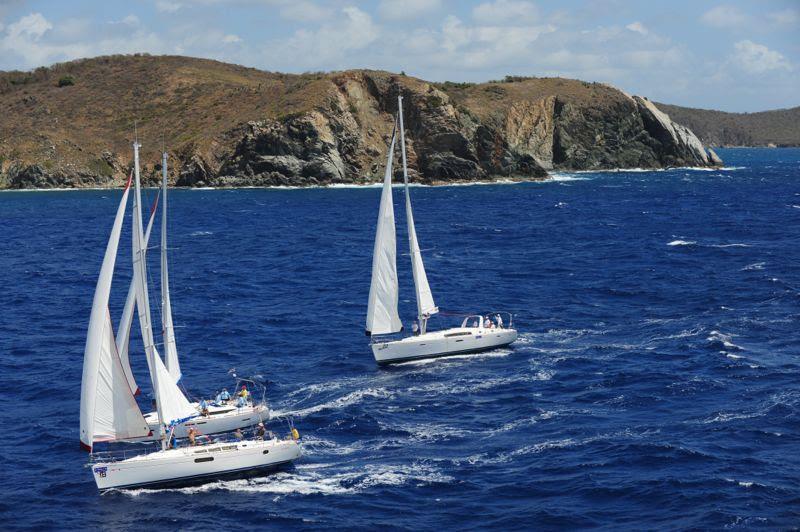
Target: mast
[[170, 347], [125, 323], [142, 298], [425, 305]]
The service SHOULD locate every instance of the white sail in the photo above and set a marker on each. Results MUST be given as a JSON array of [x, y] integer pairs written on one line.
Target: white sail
[[170, 348], [382, 315], [175, 408], [425, 305], [124, 329], [108, 409], [166, 390]]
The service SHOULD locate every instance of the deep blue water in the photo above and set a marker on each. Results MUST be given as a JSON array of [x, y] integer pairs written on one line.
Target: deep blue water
[[656, 382]]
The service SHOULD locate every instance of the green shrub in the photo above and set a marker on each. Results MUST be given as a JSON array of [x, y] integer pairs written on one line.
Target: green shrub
[[66, 81], [434, 100], [101, 167]]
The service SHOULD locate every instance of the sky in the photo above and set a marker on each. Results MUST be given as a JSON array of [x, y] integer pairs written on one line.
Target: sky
[[738, 56]]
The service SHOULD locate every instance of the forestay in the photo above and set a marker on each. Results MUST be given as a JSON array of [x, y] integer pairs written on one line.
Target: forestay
[[170, 348], [108, 409], [425, 305], [382, 313]]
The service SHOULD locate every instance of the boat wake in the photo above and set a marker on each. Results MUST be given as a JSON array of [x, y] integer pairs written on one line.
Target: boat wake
[[320, 479]]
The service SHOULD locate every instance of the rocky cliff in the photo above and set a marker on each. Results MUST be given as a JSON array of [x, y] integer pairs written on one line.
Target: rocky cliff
[[230, 126]]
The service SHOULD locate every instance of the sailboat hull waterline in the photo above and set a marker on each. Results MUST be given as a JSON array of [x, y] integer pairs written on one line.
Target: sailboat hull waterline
[[195, 465], [448, 342]]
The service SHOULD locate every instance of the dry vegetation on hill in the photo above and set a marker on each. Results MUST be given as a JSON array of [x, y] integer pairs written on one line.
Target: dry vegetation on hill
[[780, 127], [71, 124]]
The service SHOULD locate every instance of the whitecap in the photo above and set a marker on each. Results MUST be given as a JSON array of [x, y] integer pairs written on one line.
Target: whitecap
[[311, 481], [754, 266], [341, 402], [724, 339], [681, 243]]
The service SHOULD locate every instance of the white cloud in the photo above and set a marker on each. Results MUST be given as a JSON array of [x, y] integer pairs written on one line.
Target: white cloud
[[787, 17], [327, 46], [305, 11], [164, 6], [637, 27], [231, 39], [131, 20], [406, 9], [32, 26], [506, 11], [757, 58], [724, 17]]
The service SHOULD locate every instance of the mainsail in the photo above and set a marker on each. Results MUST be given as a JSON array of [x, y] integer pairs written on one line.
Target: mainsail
[[382, 315], [425, 305], [170, 349], [124, 329], [108, 409], [171, 404]]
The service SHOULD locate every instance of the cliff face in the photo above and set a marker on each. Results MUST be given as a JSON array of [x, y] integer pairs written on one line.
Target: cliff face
[[229, 126]]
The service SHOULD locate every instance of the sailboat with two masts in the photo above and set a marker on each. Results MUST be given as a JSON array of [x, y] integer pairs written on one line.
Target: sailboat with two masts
[[109, 411], [476, 333], [224, 413]]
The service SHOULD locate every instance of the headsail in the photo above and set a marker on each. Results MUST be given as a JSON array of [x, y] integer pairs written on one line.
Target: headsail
[[170, 348], [124, 329], [108, 409], [425, 305], [166, 390], [382, 315]]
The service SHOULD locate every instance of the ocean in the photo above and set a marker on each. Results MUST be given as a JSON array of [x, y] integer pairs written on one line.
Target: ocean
[[655, 383]]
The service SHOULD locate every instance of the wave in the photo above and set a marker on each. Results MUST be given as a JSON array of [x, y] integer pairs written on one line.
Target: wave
[[346, 400], [682, 243], [311, 479], [717, 338], [201, 233], [754, 266], [559, 177]]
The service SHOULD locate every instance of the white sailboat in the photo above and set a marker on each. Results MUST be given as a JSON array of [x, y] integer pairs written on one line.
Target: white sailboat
[[476, 333], [218, 416], [109, 411]]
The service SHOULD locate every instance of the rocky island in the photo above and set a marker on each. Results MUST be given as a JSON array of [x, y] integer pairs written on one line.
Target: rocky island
[[70, 125]]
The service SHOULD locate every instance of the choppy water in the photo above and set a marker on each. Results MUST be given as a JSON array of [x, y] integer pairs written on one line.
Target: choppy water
[[656, 382]]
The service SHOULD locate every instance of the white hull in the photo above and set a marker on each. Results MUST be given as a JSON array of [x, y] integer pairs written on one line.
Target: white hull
[[455, 341], [192, 465], [226, 418]]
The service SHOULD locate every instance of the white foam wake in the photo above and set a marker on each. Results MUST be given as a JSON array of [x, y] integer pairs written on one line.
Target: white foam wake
[[319, 479]]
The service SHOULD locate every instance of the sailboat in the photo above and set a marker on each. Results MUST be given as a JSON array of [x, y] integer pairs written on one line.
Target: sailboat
[[109, 411], [477, 332], [219, 415]]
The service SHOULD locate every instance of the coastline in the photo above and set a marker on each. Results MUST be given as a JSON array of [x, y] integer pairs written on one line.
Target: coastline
[[565, 175]]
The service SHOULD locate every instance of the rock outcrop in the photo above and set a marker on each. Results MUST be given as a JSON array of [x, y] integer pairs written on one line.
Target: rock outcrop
[[335, 128]]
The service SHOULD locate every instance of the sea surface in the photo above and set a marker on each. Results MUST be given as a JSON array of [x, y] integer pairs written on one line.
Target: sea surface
[[655, 383]]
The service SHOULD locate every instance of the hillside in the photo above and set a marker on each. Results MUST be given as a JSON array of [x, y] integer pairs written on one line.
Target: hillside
[[717, 128], [71, 125]]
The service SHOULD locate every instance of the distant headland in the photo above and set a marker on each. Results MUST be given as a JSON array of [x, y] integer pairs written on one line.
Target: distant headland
[[71, 124]]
